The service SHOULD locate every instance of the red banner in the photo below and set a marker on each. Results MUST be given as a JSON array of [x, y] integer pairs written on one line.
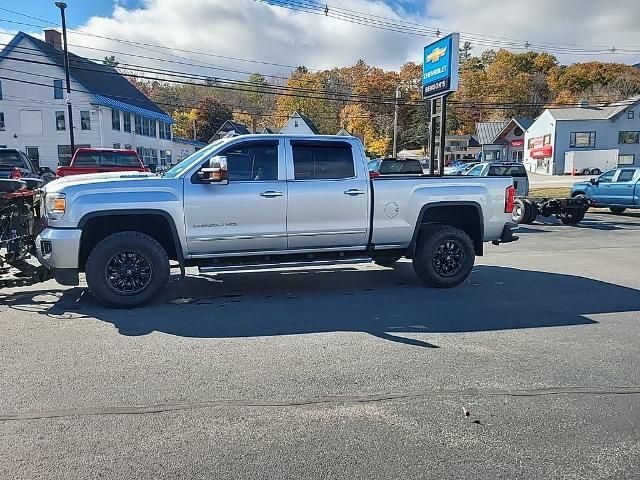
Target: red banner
[[541, 152]]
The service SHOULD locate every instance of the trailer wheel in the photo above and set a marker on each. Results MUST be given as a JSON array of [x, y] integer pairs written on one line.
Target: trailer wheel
[[444, 256], [127, 269], [617, 210], [596, 171], [586, 171], [572, 216], [519, 211]]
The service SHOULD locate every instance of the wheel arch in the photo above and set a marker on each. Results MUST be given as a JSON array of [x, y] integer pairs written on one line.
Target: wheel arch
[[467, 216], [158, 224]]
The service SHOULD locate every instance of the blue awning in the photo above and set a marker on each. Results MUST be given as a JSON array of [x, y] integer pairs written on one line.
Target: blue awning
[[125, 107]]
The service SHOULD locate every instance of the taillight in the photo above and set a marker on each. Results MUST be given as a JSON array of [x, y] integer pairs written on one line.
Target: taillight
[[509, 199], [374, 174], [15, 173], [59, 172]]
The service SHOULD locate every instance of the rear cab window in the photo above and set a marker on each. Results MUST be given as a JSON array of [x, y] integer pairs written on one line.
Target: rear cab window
[[314, 160], [9, 158], [515, 171], [106, 159]]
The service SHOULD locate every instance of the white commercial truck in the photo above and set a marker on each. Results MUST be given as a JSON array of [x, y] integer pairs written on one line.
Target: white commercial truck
[[590, 162]]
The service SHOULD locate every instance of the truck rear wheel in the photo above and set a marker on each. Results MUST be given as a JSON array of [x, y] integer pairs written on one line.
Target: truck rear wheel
[[127, 269], [531, 212], [444, 256], [519, 211], [617, 210]]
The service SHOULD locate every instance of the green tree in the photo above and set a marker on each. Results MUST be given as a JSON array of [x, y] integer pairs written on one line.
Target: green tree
[[110, 61], [210, 117]]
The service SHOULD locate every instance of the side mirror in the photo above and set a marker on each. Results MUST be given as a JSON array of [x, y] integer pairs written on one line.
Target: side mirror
[[216, 171], [594, 181]]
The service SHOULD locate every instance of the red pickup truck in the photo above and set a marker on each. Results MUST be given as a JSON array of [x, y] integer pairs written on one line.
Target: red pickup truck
[[98, 160]]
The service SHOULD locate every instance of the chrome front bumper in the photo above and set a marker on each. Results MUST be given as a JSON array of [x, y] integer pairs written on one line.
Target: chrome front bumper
[[58, 249]]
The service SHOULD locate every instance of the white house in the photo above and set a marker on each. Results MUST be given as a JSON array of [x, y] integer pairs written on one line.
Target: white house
[[557, 131], [108, 111], [299, 124]]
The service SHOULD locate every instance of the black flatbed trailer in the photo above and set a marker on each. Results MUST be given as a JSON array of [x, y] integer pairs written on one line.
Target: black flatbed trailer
[[569, 211]]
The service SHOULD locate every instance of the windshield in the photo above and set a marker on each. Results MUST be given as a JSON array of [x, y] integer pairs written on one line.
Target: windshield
[[10, 159], [194, 157]]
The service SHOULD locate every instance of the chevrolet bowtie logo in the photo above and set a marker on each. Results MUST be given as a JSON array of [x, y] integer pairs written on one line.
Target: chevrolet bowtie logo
[[436, 54]]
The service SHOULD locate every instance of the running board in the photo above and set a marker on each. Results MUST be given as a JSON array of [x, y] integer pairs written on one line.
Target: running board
[[283, 265]]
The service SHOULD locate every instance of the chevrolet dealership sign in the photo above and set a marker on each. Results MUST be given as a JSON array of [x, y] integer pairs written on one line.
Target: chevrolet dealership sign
[[440, 67]]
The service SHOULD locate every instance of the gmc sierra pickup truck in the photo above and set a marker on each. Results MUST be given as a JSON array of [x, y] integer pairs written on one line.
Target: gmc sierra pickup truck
[[257, 201]]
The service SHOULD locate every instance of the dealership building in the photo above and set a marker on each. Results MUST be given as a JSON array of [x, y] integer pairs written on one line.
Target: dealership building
[[558, 131]]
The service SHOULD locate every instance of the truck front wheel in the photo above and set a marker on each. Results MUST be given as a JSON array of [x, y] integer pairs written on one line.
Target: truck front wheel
[[127, 269], [444, 256]]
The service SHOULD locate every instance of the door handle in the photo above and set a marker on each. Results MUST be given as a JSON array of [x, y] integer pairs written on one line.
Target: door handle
[[271, 194], [353, 192]]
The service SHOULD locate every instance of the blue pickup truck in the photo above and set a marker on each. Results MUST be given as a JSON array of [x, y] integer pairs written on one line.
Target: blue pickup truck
[[617, 189]]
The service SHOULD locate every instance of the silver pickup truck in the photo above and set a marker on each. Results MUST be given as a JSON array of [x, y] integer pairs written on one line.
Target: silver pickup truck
[[257, 201]]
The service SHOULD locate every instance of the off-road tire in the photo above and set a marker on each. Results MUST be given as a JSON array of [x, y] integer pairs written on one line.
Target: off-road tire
[[531, 212], [519, 212], [129, 244], [617, 210], [428, 256]]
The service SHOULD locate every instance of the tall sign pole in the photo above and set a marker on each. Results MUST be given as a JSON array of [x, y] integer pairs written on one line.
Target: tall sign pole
[[62, 6], [439, 80]]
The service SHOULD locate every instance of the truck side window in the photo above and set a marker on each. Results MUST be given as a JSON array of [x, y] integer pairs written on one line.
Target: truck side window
[[626, 175], [322, 160], [607, 177], [252, 162]]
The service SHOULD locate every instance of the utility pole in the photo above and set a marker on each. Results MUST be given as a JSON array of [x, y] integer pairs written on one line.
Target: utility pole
[[62, 6], [395, 124]]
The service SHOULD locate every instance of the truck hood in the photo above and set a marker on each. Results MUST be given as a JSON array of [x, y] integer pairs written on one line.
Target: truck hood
[[580, 185], [96, 178]]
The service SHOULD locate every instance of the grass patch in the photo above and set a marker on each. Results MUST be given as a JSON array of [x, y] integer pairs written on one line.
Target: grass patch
[[556, 192]]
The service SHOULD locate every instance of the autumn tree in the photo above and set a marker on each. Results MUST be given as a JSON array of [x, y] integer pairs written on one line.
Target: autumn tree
[[211, 114]]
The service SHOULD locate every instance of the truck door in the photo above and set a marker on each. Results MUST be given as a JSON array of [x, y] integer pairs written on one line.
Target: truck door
[[328, 202], [622, 188], [601, 193], [249, 213]]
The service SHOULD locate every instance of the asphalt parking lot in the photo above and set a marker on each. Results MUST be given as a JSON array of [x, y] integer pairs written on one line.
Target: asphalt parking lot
[[354, 372]]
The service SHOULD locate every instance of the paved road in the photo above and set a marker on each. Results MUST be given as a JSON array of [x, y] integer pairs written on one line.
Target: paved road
[[339, 373]]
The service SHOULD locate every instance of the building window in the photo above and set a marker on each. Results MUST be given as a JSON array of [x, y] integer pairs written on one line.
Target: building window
[[2, 127], [152, 128], [0, 90], [163, 157], [34, 154], [128, 147], [631, 114], [85, 120], [57, 89], [295, 123], [115, 119], [145, 127], [582, 139], [546, 139], [628, 137], [530, 143], [127, 121], [60, 123], [138, 119], [168, 157], [117, 146], [154, 156], [626, 159], [165, 130]]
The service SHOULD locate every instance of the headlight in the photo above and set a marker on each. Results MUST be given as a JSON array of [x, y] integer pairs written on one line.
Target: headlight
[[54, 205]]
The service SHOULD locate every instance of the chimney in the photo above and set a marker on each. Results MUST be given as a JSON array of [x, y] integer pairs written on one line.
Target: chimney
[[583, 103], [53, 38]]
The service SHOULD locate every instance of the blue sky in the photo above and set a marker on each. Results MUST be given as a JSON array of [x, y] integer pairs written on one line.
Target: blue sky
[[78, 11]]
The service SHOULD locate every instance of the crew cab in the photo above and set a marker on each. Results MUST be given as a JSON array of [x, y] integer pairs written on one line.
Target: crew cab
[[256, 201], [617, 189], [100, 160]]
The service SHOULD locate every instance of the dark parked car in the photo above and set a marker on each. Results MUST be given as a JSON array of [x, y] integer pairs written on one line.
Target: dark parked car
[[393, 166], [15, 164]]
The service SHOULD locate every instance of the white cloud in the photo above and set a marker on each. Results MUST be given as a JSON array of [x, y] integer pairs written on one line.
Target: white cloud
[[254, 30]]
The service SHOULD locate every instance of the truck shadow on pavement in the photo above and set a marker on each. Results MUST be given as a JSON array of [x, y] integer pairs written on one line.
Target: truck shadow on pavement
[[386, 303]]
